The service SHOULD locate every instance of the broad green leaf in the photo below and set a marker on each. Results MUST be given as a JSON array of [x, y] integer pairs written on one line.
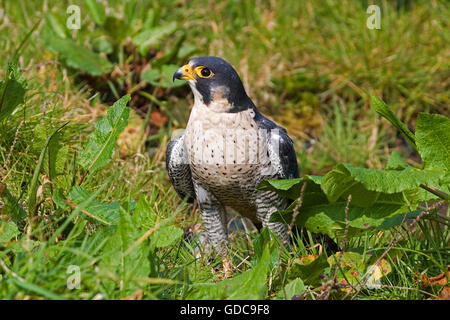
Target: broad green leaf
[[290, 188], [12, 206], [381, 108], [330, 218], [79, 57], [396, 162], [169, 56], [250, 285], [186, 51], [293, 288], [351, 266], [102, 44], [266, 239], [56, 24], [165, 79], [12, 91], [56, 156], [166, 236], [433, 140], [344, 177], [397, 219], [152, 37], [260, 243], [126, 266], [59, 199], [106, 213], [151, 76], [96, 11], [145, 218], [37, 170], [309, 271], [162, 77], [100, 146], [117, 29], [8, 230]]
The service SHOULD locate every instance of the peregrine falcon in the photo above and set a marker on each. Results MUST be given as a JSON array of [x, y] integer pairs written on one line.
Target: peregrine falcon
[[227, 148]]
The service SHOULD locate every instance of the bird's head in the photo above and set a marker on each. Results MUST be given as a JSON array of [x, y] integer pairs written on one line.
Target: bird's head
[[214, 83]]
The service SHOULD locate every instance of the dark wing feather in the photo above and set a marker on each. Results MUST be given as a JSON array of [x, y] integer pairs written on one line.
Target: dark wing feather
[[278, 135], [178, 168], [288, 159]]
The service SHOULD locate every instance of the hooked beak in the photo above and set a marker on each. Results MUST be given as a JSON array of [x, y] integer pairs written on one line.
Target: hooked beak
[[184, 73]]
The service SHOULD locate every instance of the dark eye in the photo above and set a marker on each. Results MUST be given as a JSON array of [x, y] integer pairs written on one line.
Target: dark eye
[[205, 72]]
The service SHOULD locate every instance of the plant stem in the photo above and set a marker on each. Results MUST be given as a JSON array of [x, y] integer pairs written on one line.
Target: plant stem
[[436, 192]]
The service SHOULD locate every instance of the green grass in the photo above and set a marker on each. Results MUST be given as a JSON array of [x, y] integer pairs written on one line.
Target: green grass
[[323, 49]]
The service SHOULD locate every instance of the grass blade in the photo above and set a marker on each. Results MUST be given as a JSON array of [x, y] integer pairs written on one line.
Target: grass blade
[[37, 170]]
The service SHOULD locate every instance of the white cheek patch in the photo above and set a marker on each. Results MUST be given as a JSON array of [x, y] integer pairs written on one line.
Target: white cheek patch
[[197, 95]]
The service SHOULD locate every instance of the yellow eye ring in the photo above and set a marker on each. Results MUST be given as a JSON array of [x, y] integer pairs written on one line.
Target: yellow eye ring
[[203, 72]]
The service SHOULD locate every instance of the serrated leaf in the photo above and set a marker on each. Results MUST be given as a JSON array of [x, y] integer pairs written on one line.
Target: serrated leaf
[[290, 188], [249, 285], [433, 140], [396, 162], [12, 91], [125, 265], [382, 109], [12, 206], [100, 146], [96, 11], [145, 218], [166, 236], [344, 177], [330, 218], [59, 199], [8, 230], [79, 57], [106, 213]]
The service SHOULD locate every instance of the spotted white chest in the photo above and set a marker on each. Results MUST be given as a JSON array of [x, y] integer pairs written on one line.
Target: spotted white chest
[[228, 154]]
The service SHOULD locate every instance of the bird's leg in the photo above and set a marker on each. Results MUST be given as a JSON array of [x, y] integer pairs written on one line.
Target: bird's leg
[[267, 203], [214, 220]]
